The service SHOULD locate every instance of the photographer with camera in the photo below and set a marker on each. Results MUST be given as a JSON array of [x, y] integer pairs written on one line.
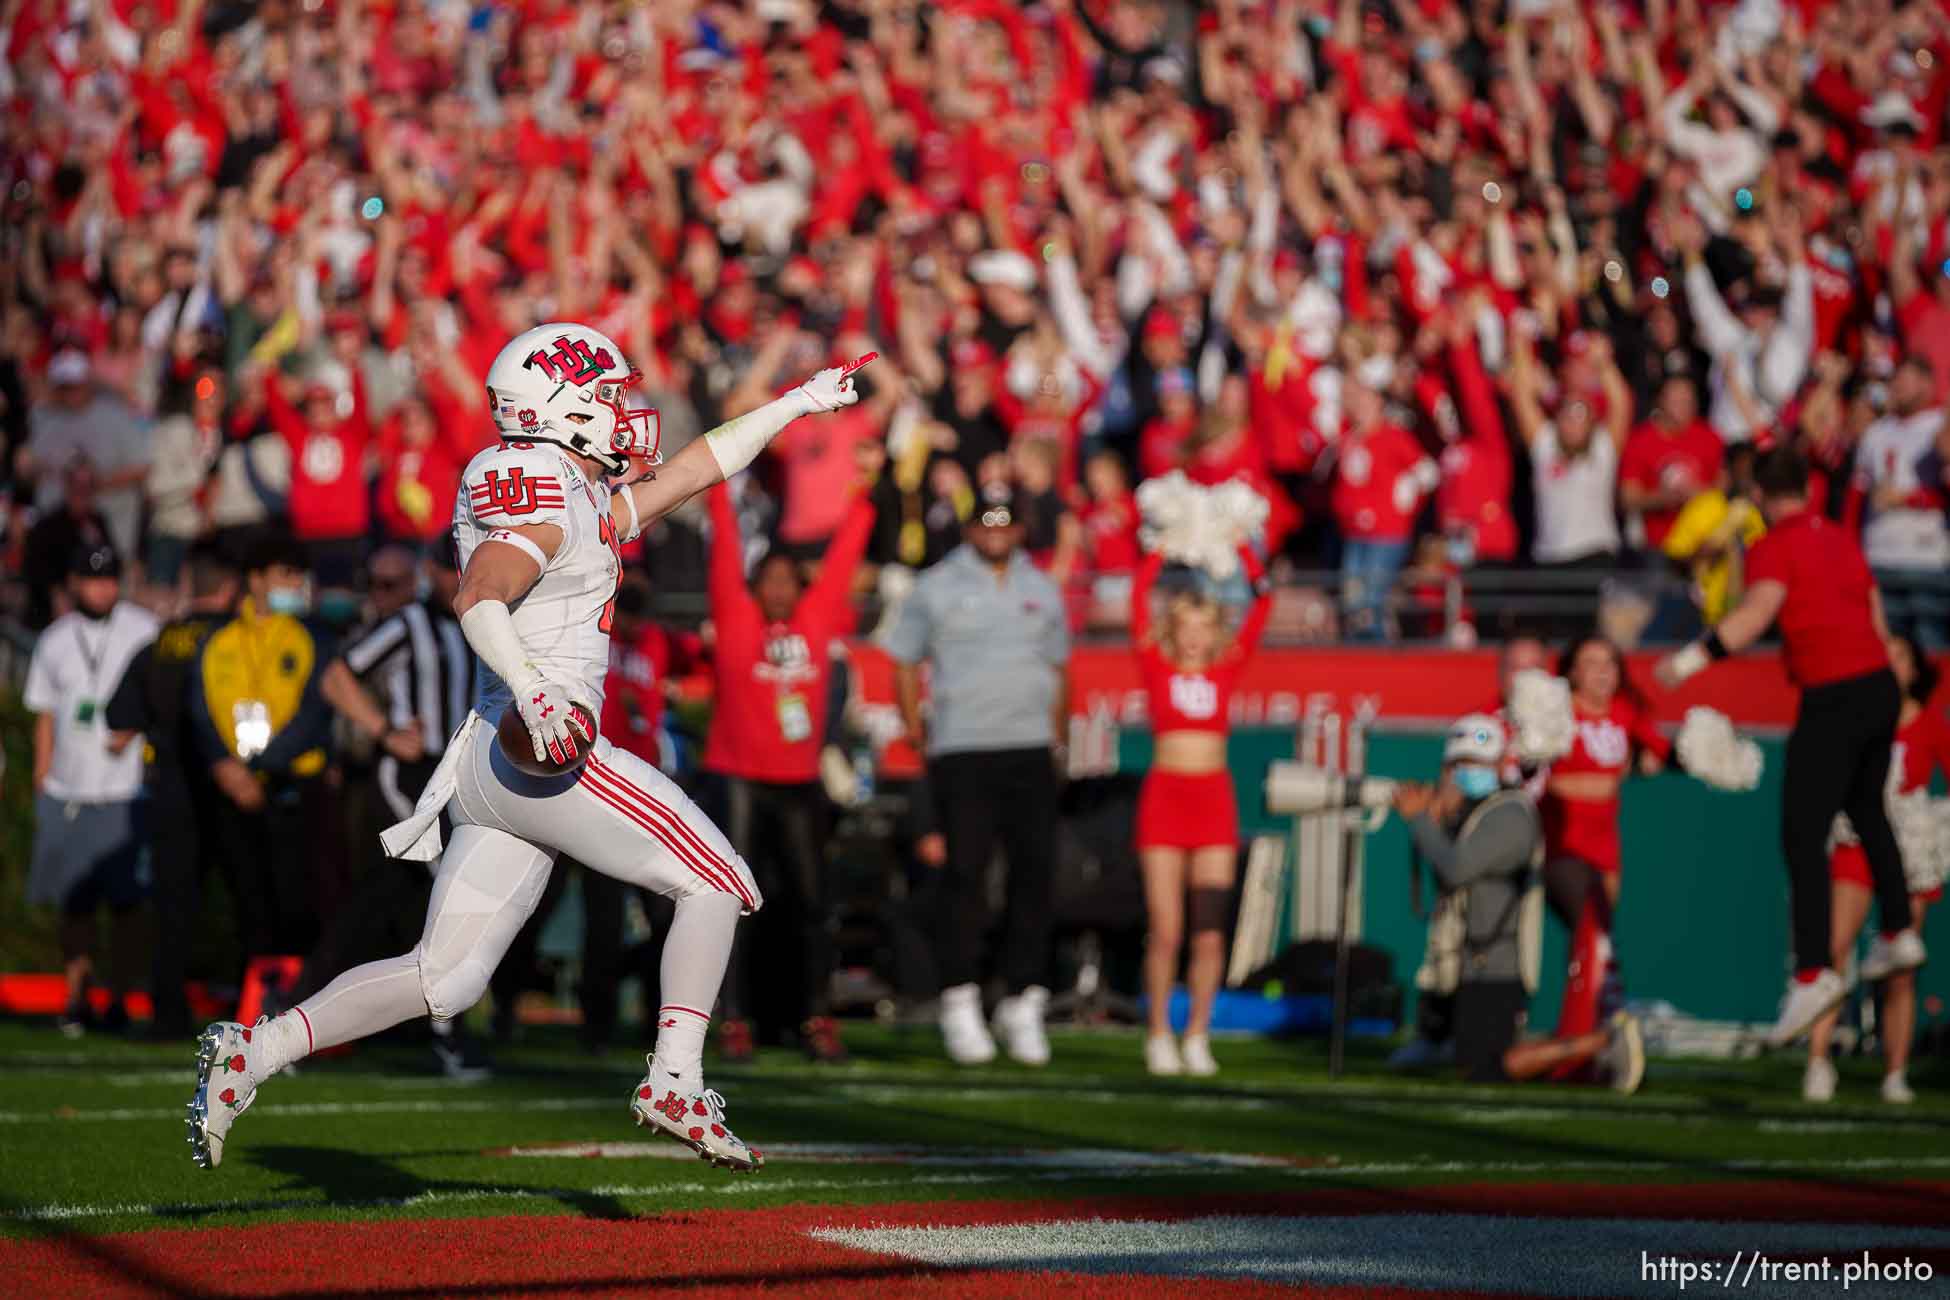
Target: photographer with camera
[[1479, 834]]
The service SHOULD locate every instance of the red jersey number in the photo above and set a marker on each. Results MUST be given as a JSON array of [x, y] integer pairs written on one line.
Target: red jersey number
[[607, 530]]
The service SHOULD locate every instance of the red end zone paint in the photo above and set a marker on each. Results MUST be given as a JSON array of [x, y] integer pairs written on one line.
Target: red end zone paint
[[733, 1252]]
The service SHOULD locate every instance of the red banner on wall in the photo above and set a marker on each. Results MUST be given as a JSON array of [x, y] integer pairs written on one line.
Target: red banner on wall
[[1406, 688]]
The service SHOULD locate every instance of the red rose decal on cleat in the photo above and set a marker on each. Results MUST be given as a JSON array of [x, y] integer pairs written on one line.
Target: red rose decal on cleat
[[697, 1108], [228, 1096], [696, 1133], [644, 1092], [247, 1035], [235, 1063], [717, 1130]]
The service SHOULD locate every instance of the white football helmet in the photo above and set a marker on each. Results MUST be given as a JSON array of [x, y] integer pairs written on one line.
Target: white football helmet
[[567, 384]]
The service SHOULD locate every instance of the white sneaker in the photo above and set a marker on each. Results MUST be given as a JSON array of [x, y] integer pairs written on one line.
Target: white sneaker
[[226, 1085], [962, 1030], [1818, 1084], [1895, 1089], [1161, 1055], [1198, 1056], [1624, 1056], [1805, 1004], [1893, 956], [695, 1119], [1019, 1020]]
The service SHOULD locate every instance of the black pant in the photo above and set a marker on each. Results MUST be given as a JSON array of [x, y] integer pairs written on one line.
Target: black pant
[[1837, 761], [781, 828], [179, 834], [1489, 1017], [1010, 794]]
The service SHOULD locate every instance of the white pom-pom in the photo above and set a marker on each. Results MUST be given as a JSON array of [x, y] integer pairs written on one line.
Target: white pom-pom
[[1199, 526], [1540, 715], [1712, 751], [1913, 818]]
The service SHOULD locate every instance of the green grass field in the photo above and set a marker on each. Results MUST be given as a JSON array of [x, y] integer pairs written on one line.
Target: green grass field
[[92, 1134]]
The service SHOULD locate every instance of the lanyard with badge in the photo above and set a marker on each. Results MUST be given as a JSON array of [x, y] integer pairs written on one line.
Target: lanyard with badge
[[250, 718], [87, 709], [785, 651]]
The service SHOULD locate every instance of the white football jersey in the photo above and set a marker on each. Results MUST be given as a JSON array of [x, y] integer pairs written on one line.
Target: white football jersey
[[564, 620]]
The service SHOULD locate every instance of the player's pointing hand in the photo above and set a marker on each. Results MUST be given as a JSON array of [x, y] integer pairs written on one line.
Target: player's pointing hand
[[833, 388]]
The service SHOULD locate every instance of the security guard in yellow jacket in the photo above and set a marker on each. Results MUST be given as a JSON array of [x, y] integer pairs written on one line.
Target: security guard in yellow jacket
[[263, 725]]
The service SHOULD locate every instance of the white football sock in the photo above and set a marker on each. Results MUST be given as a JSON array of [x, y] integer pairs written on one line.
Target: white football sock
[[696, 951], [363, 1001]]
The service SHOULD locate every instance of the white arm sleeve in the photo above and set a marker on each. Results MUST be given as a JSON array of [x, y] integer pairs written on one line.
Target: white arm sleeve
[[736, 443], [490, 631]]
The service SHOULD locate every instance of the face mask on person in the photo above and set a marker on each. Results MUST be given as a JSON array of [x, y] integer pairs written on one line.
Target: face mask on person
[[1475, 782], [288, 600]]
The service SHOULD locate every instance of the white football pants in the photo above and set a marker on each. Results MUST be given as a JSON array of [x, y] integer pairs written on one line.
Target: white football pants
[[618, 815]]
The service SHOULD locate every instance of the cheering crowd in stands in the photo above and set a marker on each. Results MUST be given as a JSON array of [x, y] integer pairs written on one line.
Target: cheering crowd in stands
[[1456, 286]]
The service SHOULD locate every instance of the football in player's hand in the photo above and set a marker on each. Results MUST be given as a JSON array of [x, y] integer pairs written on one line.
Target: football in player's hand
[[519, 748]]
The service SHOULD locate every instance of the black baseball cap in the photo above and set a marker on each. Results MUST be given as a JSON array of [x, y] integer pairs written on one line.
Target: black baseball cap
[[999, 506], [94, 560]]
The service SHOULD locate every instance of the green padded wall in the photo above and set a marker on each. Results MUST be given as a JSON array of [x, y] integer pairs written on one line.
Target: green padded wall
[[1702, 919]]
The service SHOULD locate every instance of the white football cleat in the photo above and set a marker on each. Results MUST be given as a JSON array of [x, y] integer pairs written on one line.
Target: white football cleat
[[1805, 1003], [1019, 1019], [697, 1120], [1896, 1090], [963, 1032], [1197, 1052], [226, 1085], [1161, 1055], [1893, 956], [1818, 1084]]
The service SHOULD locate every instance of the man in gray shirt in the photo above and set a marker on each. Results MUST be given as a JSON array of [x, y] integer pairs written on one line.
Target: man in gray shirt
[[1487, 838], [81, 418], [993, 629]]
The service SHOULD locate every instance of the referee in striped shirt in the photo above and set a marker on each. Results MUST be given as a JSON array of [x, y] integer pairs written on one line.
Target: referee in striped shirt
[[405, 683]]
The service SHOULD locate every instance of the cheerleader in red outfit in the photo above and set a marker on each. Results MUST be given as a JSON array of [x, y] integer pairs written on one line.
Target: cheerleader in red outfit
[[1187, 820], [1922, 747], [1580, 811]]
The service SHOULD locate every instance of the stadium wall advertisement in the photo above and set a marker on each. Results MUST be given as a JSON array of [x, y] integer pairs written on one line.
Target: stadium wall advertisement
[[1703, 916]]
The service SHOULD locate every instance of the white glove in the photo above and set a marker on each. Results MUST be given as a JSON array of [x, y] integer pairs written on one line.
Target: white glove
[[1712, 751], [553, 723], [833, 388]]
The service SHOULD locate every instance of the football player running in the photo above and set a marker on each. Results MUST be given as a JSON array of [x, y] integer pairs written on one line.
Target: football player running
[[538, 523]]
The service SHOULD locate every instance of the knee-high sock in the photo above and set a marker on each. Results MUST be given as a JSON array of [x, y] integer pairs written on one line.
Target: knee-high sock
[[695, 952], [362, 1001]]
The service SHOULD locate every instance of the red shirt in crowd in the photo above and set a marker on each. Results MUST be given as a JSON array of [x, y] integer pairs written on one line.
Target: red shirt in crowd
[[1110, 534], [1653, 459], [1474, 495], [1183, 699], [1827, 624], [1375, 495], [633, 689], [1605, 742], [1926, 329], [328, 466], [771, 678]]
